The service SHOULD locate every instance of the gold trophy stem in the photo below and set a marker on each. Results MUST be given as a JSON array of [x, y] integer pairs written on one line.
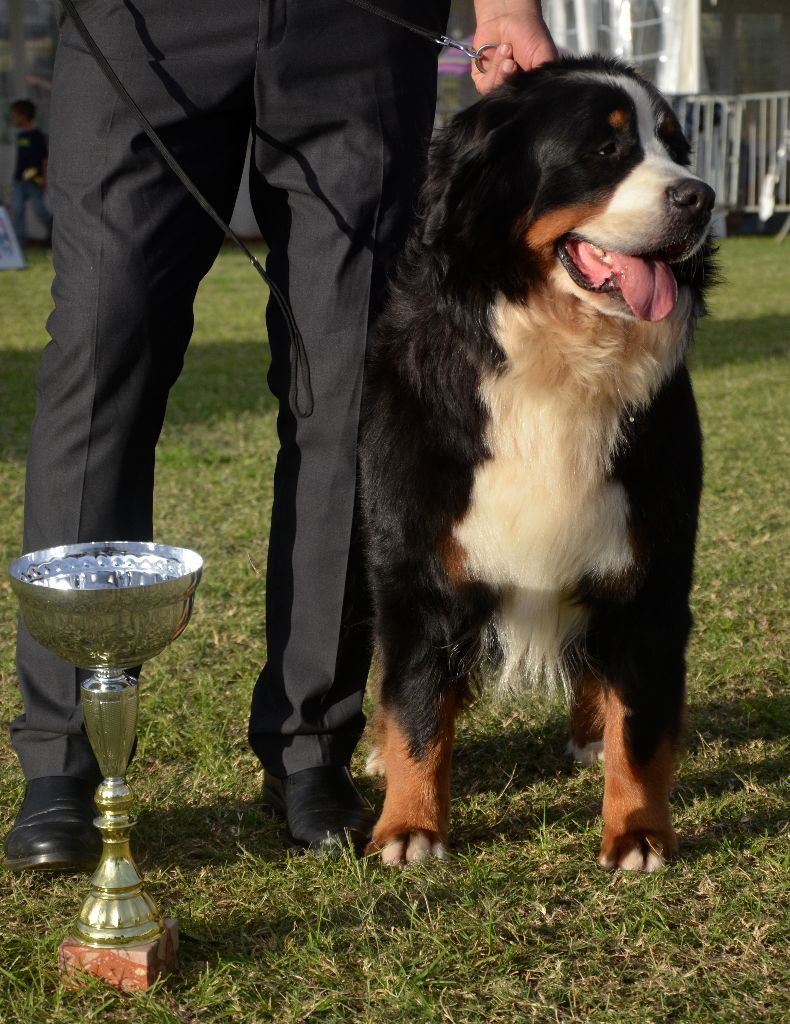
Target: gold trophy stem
[[118, 911]]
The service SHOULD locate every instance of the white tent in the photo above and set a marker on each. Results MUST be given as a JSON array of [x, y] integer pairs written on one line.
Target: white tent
[[661, 37]]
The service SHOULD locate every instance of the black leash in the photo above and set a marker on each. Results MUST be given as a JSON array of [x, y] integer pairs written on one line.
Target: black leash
[[444, 41], [389, 16], [302, 367]]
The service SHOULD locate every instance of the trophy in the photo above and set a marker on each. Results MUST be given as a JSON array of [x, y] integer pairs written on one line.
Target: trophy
[[106, 607]]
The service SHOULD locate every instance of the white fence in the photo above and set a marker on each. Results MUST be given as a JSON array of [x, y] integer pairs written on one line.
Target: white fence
[[740, 147]]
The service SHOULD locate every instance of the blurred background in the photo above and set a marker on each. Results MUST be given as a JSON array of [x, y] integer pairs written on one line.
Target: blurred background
[[725, 63]]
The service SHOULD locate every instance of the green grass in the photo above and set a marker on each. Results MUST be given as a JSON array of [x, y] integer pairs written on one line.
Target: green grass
[[519, 925]]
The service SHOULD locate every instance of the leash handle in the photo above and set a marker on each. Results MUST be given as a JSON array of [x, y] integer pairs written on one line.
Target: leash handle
[[302, 364], [477, 55]]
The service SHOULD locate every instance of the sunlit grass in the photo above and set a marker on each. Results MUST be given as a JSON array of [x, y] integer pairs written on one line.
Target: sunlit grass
[[519, 925]]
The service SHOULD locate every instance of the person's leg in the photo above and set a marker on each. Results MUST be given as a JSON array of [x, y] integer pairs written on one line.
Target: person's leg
[[344, 112], [130, 246], [18, 203]]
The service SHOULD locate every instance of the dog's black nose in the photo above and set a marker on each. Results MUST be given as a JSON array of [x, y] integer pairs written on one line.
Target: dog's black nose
[[691, 199]]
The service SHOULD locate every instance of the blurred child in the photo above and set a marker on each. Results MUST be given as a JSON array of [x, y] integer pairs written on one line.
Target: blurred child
[[30, 174]]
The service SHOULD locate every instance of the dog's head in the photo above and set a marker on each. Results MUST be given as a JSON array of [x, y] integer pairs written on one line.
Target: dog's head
[[575, 173]]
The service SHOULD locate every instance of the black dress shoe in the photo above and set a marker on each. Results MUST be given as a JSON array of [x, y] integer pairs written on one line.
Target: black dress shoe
[[322, 808], [54, 828]]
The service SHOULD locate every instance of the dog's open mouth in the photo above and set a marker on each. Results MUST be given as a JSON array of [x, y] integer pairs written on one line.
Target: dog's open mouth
[[646, 283]]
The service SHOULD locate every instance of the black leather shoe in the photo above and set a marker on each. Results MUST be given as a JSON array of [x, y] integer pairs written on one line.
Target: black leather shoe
[[321, 807], [54, 828]]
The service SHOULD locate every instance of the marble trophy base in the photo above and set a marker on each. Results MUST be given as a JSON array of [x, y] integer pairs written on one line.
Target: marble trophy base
[[129, 968]]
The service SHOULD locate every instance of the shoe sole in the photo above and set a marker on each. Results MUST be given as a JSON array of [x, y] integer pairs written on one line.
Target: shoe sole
[[44, 863]]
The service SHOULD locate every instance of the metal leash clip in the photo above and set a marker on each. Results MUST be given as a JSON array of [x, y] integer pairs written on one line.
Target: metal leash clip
[[472, 53]]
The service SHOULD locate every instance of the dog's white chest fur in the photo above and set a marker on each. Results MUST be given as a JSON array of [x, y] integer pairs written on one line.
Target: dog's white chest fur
[[543, 514], [544, 510]]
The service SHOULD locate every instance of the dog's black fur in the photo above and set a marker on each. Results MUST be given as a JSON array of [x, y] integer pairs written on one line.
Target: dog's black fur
[[537, 145]]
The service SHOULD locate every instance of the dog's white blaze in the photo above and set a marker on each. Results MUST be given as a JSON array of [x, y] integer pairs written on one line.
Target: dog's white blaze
[[635, 217], [544, 511], [645, 116]]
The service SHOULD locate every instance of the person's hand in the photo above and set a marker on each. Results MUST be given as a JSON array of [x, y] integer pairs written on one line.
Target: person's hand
[[524, 40]]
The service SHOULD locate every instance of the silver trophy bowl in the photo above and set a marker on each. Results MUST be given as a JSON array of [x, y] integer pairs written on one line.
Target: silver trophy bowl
[[106, 604], [109, 606]]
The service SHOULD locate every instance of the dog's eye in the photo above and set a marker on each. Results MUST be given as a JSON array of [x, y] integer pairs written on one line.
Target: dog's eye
[[608, 149]]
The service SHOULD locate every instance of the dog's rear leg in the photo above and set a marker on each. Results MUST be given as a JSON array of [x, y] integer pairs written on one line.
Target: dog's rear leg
[[415, 818], [588, 714]]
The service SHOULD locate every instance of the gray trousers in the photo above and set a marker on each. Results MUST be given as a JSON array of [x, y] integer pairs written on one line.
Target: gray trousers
[[340, 104]]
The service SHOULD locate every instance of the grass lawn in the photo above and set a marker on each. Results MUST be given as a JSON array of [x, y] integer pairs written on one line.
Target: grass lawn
[[518, 925]]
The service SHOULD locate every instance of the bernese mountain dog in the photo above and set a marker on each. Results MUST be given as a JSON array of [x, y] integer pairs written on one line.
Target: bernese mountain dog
[[531, 453]]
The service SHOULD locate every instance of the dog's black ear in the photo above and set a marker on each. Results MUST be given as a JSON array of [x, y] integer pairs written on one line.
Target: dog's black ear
[[481, 182], [467, 166], [456, 162]]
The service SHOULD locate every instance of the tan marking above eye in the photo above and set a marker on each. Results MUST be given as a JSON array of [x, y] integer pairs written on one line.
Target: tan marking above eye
[[667, 126], [619, 118]]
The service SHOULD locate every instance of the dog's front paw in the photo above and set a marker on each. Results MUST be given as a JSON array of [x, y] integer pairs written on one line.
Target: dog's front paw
[[639, 850], [409, 848]]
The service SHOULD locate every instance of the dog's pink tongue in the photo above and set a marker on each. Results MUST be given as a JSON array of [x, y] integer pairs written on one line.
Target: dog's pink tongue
[[648, 286]]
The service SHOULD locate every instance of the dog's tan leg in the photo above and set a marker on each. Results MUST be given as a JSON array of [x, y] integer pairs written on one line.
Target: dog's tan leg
[[588, 714], [415, 818], [637, 833]]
